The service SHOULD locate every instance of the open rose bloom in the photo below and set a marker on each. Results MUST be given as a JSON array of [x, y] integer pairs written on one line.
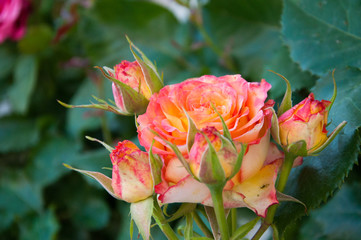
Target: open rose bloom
[[247, 115]]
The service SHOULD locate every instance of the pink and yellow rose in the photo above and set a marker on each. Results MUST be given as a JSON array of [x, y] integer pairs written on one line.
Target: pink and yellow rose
[[132, 178], [305, 121], [248, 118]]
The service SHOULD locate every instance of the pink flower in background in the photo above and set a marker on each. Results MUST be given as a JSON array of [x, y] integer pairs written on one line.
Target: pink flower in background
[[13, 17]]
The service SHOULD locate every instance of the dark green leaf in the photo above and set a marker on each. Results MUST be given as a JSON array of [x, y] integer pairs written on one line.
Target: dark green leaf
[[38, 38], [283, 64], [323, 35], [43, 226], [18, 134], [47, 165], [340, 218], [316, 180], [25, 76]]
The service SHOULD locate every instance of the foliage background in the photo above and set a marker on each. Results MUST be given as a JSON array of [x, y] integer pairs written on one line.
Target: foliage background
[[301, 39]]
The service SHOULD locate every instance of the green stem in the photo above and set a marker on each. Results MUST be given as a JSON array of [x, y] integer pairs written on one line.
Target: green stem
[[217, 198], [233, 220], [282, 180], [162, 222], [202, 225]]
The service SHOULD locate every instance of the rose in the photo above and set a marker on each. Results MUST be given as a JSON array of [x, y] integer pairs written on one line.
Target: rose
[[131, 179], [243, 108], [305, 121], [13, 17]]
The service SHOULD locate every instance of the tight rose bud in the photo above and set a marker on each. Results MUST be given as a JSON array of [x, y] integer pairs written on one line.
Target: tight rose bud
[[131, 95], [305, 121], [200, 156], [132, 179]]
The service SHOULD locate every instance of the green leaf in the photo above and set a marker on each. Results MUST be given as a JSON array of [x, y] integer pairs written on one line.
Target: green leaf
[[18, 134], [283, 64], [246, 30], [7, 61], [46, 166], [182, 210], [80, 119], [339, 219], [43, 226], [92, 214], [323, 35], [244, 229], [316, 180], [26, 71]]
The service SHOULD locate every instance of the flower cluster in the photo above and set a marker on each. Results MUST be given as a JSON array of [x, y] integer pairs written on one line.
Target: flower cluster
[[208, 139]]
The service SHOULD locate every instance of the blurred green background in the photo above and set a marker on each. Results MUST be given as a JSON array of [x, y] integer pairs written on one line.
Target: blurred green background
[[301, 39]]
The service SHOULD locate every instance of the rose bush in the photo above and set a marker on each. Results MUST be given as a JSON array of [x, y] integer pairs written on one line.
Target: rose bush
[[248, 118], [132, 178], [305, 121], [13, 17]]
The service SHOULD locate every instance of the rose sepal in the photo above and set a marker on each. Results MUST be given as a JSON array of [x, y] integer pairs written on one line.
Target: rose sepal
[[141, 213], [156, 166], [109, 148], [105, 181], [333, 98], [178, 153], [286, 103], [150, 72], [275, 128], [332, 136], [298, 148], [134, 102], [102, 105]]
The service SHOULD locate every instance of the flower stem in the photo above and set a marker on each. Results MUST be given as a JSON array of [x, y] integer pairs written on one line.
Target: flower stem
[[233, 220], [162, 222], [217, 198], [202, 225], [282, 180]]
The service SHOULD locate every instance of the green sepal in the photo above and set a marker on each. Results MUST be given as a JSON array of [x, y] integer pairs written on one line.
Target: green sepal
[[105, 181], [109, 148], [177, 153], [201, 238], [141, 212], [286, 198], [104, 106], [151, 75], [156, 165], [330, 138], [131, 228], [191, 133], [182, 210], [275, 129], [239, 161], [226, 131], [287, 98], [134, 102], [242, 231], [298, 148], [188, 230], [210, 170], [333, 98]]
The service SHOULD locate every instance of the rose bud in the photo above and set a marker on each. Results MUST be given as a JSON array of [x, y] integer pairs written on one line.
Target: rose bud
[[132, 178], [131, 92], [201, 156], [305, 121]]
